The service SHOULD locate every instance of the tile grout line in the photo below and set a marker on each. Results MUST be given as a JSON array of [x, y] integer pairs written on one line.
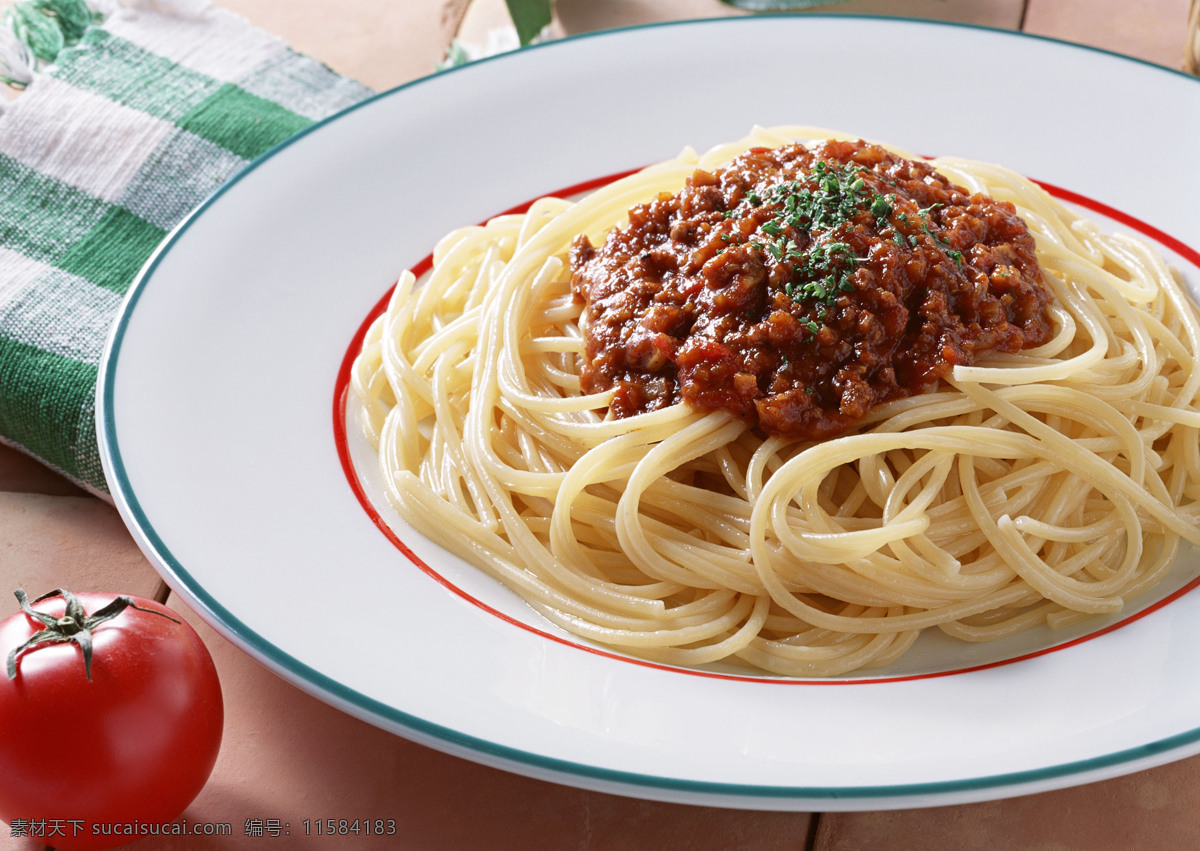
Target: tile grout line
[[810, 840]]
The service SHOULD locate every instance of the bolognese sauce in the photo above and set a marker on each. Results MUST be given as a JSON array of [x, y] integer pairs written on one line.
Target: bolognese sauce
[[799, 287]]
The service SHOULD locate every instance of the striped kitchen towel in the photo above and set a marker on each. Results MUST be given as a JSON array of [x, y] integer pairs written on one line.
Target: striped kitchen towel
[[131, 115]]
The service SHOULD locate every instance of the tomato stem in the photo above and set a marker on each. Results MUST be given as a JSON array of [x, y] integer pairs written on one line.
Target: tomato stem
[[75, 625]]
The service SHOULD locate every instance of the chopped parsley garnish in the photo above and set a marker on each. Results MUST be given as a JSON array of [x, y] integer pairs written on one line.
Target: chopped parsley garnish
[[830, 196], [881, 208], [815, 205]]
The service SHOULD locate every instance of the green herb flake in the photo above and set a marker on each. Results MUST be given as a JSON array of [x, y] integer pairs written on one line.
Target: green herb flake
[[880, 208], [832, 195]]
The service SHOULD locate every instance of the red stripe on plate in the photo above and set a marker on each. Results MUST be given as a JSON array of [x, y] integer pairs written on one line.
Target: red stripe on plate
[[341, 391]]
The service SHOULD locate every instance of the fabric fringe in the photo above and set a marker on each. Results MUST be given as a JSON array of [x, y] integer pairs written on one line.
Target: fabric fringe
[[16, 60], [34, 32]]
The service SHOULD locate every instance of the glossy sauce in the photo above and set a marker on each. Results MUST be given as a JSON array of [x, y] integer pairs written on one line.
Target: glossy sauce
[[799, 287]]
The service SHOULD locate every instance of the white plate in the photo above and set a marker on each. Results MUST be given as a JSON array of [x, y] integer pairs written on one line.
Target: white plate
[[218, 416]]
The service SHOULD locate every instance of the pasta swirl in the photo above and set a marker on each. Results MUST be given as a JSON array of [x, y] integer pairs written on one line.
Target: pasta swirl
[[1040, 486]]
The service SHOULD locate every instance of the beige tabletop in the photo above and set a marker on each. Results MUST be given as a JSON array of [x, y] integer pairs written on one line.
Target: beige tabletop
[[287, 757]]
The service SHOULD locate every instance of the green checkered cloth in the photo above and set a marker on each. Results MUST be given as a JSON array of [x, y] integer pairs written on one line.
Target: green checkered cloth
[[130, 117]]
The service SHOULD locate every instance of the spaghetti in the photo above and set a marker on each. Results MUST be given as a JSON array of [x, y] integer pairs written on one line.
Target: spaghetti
[[1028, 485]]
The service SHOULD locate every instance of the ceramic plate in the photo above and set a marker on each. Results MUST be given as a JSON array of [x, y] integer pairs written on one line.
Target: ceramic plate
[[220, 426]]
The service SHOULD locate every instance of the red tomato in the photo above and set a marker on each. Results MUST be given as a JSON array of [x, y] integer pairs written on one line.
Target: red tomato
[[131, 746]]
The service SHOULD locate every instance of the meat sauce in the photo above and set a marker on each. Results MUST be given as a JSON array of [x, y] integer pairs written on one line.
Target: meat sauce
[[799, 287]]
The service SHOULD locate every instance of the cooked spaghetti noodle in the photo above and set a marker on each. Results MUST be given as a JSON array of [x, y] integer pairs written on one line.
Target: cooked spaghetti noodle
[[1034, 486]]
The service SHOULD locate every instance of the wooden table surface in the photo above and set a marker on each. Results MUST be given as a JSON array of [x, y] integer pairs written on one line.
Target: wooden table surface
[[287, 757]]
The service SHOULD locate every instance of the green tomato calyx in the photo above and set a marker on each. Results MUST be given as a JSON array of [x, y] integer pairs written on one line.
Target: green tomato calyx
[[75, 625]]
